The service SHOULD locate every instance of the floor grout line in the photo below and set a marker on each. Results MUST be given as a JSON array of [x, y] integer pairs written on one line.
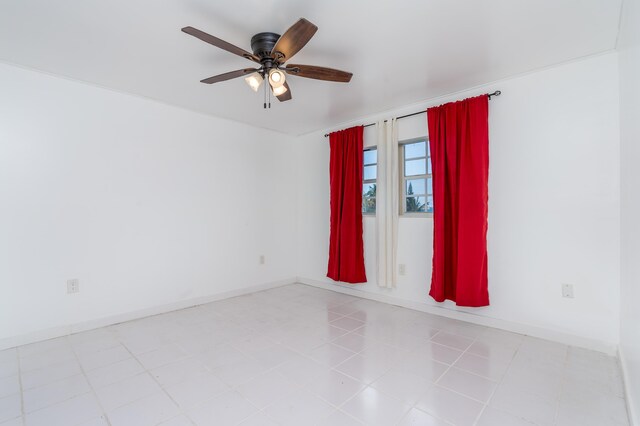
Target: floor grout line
[[499, 382], [93, 391], [561, 390], [22, 412]]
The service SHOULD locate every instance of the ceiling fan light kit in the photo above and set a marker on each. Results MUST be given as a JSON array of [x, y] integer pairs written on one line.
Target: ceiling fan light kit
[[271, 51], [254, 81], [277, 91], [276, 78]]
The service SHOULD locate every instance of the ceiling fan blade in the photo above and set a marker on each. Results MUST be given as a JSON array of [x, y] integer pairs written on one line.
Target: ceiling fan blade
[[286, 96], [208, 38], [319, 73], [228, 75], [294, 39]]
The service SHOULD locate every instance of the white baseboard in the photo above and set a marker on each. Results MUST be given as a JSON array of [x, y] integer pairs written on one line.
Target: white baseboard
[[529, 330], [631, 409], [64, 330]]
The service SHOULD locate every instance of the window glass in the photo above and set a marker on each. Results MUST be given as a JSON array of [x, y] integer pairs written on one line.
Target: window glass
[[415, 204], [415, 167], [415, 150], [370, 172], [369, 188], [370, 157], [415, 163], [368, 205], [415, 186]]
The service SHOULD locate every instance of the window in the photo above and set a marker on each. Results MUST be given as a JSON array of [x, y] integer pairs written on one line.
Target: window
[[416, 181], [369, 185]]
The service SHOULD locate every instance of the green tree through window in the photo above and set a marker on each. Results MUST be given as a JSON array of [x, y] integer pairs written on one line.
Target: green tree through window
[[369, 200], [370, 170], [417, 182], [413, 203]]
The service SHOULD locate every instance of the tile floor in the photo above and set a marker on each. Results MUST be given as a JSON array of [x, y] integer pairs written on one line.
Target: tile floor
[[299, 355]]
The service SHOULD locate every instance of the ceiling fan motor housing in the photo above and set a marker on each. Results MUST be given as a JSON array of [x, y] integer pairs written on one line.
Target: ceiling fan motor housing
[[262, 44]]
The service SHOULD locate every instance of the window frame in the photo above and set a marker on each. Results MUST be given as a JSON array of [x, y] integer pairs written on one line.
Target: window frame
[[369, 181], [403, 179]]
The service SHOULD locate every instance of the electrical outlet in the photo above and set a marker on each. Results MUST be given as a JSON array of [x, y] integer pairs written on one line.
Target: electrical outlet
[[402, 269], [73, 286], [262, 261], [567, 290]]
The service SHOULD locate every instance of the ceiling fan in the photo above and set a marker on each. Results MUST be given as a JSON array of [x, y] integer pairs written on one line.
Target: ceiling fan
[[271, 51]]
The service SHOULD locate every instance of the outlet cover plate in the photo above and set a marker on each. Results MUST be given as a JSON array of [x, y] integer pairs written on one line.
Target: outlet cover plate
[[402, 269], [73, 286], [567, 290]]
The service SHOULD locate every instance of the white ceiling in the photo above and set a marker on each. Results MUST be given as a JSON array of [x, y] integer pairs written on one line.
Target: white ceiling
[[400, 52]]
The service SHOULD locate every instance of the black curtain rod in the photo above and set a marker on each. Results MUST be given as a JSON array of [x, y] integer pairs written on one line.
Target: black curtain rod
[[496, 93]]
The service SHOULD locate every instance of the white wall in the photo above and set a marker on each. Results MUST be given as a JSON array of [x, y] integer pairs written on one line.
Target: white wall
[[553, 212], [629, 46], [144, 203]]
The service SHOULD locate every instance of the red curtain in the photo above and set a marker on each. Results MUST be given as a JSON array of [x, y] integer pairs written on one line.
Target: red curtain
[[346, 251], [459, 141]]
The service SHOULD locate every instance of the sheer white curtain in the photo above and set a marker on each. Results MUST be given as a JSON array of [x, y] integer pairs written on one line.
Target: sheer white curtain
[[387, 203]]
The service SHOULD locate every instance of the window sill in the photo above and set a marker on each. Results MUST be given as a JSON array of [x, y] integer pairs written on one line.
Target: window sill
[[406, 215], [417, 215]]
